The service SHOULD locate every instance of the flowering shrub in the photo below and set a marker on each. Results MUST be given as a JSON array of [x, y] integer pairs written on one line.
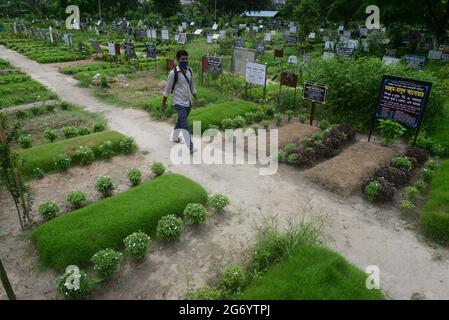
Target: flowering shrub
[[38, 173], [50, 134], [105, 186], [233, 279], [158, 168], [76, 198], [62, 162], [86, 155], [195, 213], [105, 150], [25, 141], [70, 290], [169, 227], [69, 132], [106, 262], [127, 145], [49, 210], [218, 201], [136, 245], [135, 177]]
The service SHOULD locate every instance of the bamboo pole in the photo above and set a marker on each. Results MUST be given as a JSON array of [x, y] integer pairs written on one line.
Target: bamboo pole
[[6, 283]]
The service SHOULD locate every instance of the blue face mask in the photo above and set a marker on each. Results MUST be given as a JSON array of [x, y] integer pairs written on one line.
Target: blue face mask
[[183, 64]]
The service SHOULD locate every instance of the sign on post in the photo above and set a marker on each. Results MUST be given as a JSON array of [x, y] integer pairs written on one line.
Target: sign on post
[[151, 50], [256, 73], [315, 93], [182, 39], [240, 57], [402, 100]]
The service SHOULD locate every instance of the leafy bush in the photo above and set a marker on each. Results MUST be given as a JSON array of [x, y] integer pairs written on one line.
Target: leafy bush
[[419, 154], [136, 245], [402, 163], [250, 117], [85, 155], [106, 150], [127, 145], [106, 262], [427, 175], [431, 165], [50, 134], [238, 122], [69, 132], [278, 117], [99, 127], [281, 155], [293, 159], [407, 205], [38, 173], [68, 288], [324, 124], [372, 191], [83, 131], [218, 201], [233, 279], [158, 168], [289, 114], [227, 124], [390, 130], [49, 210], [62, 162], [421, 185], [135, 177], [290, 148], [105, 186], [64, 106], [25, 141], [196, 213], [169, 227], [205, 293], [266, 124], [76, 198], [412, 192], [50, 108], [378, 190], [302, 118]]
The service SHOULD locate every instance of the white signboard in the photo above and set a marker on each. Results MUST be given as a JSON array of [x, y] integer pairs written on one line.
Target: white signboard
[[198, 32], [111, 48], [256, 73], [273, 32], [216, 36], [347, 33], [267, 37], [240, 57], [51, 34], [435, 55], [328, 55], [181, 29], [215, 26], [164, 34], [223, 34], [353, 44], [293, 29], [329, 45], [293, 60], [390, 60], [312, 35], [183, 25], [209, 39], [255, 28]]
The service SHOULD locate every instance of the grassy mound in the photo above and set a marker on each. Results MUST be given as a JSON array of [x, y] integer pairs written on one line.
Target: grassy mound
[[75, 237], [435, 214], [311, 272], [42, 156], [214, 114]]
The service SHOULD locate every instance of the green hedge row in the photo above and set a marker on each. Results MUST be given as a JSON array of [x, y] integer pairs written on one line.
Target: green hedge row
[[73, 238], [42, 156], [435, 214]]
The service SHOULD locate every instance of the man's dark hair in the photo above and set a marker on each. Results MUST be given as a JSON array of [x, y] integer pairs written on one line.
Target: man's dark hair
[[181, 53]]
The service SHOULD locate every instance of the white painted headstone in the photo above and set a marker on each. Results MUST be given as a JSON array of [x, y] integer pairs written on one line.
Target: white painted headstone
[[329, 45], [435, 55], [390, 60], [215, 26], [267, 37], [165, 34], [198, 32], [256, 73], [293, 60], [312, 35], [354, 44], [328, 55]]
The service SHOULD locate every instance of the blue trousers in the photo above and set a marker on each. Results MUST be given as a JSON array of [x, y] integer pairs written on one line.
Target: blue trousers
[[182, 124]]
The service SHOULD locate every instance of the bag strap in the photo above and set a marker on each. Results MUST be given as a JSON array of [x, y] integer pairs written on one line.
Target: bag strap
[[185, 76]]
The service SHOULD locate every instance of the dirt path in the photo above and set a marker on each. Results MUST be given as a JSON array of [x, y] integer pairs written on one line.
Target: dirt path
[[364, 234]]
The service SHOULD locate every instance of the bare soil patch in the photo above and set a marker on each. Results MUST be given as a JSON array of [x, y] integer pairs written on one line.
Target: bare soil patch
[[294, 132], [345, 173]]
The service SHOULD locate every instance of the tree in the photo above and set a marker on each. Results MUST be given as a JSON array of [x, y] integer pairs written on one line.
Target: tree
[[344, 10], [233, 8], [307, 13], [167, 8]]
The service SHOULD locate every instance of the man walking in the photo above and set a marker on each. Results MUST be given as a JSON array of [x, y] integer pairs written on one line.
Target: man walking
[[181, 85]]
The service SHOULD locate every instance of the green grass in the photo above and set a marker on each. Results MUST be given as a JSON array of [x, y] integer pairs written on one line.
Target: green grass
[[435, 214], [75, 237], [311, 273], [215, 113], [42, 156], [440, 134]]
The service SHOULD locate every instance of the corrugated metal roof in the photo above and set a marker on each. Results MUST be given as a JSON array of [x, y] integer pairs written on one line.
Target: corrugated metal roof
[[260, 14]]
